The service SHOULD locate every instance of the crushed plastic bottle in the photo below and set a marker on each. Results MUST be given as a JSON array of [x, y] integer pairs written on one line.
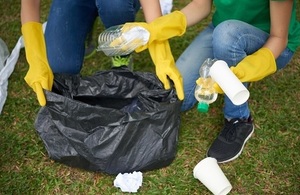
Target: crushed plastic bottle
[[205, 92], [116, 41]]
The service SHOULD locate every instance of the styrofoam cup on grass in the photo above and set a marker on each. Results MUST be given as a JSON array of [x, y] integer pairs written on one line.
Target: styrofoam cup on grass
[[229, 83], [210, 174]]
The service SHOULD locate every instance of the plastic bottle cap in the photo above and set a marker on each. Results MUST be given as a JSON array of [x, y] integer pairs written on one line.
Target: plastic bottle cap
[[202, 107]]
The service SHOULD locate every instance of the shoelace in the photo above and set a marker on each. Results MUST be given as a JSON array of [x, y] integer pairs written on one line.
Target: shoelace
[[229, 132]]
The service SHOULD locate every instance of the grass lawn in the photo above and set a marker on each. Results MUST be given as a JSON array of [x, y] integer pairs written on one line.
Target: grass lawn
[[269, 164]]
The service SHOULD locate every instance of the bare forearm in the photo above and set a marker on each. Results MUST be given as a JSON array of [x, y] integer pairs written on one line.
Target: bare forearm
[[276, 45], [30, 11], [280, 19], [151, 9], [196, 11]]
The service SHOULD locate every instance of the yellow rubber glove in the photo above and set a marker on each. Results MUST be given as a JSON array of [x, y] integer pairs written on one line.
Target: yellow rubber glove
[[162, 28], [162, 57], [218, 88], [39, 75], [255, 66]]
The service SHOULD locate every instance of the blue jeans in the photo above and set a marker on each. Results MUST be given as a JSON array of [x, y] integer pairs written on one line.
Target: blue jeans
[[230, 41], [69, 23]]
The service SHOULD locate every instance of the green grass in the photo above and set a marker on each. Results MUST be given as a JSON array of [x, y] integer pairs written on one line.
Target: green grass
[[269, 163]]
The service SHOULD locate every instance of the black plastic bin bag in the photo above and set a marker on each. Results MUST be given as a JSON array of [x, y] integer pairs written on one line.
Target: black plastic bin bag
[[115, 121]]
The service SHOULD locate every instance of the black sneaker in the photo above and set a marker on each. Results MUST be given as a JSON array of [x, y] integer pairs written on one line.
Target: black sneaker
[[230, 142]]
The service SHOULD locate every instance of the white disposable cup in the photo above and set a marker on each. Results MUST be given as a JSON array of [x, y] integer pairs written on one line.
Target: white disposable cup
[[210, 174], [229, 83]]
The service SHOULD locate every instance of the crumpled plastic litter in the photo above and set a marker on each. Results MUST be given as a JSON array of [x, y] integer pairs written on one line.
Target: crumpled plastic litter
[[4, 53], [166, 6], [7, 65], [114, 42], [129, 182]]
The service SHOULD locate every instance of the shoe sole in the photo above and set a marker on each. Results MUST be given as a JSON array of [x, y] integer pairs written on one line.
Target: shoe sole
[[240, 152]]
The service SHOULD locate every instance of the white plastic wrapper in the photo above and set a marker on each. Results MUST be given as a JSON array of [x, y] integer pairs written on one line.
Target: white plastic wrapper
[[129, 182], [166, 6], [4, 53], [7, 65]]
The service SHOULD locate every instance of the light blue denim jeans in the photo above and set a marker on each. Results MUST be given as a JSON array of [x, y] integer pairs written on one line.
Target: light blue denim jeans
[[70, 21], [230, 41]]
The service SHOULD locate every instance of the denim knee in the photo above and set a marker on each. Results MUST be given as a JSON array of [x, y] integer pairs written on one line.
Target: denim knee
[[116, 12], [224, 34], [225, 39], [68, 23]]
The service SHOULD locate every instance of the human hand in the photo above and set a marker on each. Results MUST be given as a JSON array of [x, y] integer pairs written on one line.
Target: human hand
[[161, 55], [207, 83], [256, 66], [162, 28], [39, 75], [39, 78]]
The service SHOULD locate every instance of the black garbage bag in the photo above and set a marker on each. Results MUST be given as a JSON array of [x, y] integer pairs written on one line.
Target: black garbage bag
[[115, 121]]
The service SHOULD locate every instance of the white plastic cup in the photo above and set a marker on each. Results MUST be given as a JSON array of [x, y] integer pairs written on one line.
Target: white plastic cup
[[210, 174], [229, 83]]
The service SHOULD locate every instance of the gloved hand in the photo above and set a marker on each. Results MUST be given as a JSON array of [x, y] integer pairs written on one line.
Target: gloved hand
[[253, 67], [256, 66], [39, 75], [162, 28], [218, 89], [162, 57]]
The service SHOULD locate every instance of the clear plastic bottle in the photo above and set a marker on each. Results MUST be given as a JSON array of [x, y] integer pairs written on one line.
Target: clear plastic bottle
[[205, 92], [115, 41], [110, 34]]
